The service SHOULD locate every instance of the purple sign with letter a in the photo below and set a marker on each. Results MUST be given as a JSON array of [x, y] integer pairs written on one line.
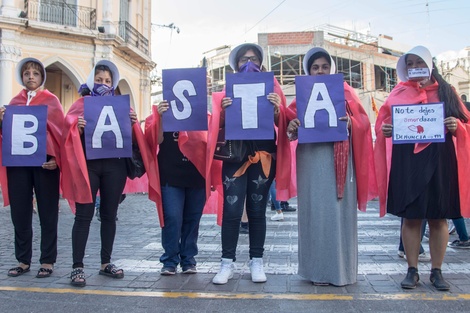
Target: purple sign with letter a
[[320, 104], [108, 132], [251, 115], [186, 93], [24, 135]]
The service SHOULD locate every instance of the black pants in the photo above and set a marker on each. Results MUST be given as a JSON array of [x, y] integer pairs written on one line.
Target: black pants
[[45, 183], [254, 186], [109, 177]]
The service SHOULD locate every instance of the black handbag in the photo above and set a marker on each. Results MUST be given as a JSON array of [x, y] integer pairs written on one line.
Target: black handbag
[[233, 151], [135, 165]]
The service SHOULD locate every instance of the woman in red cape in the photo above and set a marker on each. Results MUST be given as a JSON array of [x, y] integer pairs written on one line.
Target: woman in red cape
[[333, 180], [424, 180], [18, 183], [82, 178], [248, 182], [183, 187]]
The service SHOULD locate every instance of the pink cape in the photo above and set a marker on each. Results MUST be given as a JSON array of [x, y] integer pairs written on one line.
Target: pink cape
[[55, 122], [285, 186], [410, 93], [75, 181], [193, 144], [361, 138]]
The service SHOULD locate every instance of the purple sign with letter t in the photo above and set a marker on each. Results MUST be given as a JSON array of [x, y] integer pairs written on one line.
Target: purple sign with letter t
[[251, 115]]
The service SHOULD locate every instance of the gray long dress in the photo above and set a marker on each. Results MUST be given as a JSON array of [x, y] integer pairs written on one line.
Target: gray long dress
[[327, 225]]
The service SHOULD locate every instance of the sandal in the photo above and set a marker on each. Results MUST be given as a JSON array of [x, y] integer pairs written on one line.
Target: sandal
[[78, 277], [112, 271], [44, 272], [17, 271]]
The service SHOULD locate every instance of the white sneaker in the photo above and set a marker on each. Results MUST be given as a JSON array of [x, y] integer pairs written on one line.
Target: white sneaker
[[225, 273], [401, 254], [423, 257], [277, 217], [257, 271]]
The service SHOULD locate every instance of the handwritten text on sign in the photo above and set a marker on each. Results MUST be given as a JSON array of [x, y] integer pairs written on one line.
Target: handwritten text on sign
[[413, 123], [186, 93], [24, 135]]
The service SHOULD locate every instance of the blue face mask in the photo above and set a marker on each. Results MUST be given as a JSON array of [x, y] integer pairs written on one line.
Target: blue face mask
[[249, 67], [102, 90]]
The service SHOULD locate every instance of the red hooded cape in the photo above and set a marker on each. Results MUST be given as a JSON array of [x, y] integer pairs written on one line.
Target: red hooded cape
[[361, 138], [285, 186], [75, 182], [55, 122], [410, 93], [192, 144]]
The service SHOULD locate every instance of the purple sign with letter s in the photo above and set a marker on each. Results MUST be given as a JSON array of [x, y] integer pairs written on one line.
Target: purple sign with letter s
[[320, 104], [251, 114], [108, 132], [186, 93], [24, 135]]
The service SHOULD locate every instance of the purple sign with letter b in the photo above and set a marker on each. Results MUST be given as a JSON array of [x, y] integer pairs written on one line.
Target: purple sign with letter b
[[24, 135]]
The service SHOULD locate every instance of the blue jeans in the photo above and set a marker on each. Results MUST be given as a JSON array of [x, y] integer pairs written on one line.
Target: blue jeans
[[254, 187], [423, 229], [182, 211], [272, 193], [460, 228]]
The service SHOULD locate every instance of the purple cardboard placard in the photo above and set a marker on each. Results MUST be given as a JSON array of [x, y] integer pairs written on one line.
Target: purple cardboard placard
[[108, 131], [418, 123], [320, 104], [24, 133], [186, 93], [251, 115]]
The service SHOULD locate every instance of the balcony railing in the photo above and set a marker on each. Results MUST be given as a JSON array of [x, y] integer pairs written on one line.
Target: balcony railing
[[132, 37], [60, 13]]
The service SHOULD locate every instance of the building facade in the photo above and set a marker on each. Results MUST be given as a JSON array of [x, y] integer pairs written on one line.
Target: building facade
[[70, 36]]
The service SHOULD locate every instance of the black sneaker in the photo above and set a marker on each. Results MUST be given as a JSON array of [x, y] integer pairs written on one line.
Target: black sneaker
[[286, 208], [168, 271], [190, 269]]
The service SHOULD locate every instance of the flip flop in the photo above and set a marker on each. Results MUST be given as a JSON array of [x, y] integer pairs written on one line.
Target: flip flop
[[19, 271], [44, 272]]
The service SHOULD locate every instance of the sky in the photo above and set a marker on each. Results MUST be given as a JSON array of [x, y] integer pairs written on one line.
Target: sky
[[443, 26]]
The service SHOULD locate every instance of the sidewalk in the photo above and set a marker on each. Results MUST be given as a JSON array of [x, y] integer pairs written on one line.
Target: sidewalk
[[137, 250]]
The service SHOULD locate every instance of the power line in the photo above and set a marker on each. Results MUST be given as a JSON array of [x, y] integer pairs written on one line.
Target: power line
[[270, 12]]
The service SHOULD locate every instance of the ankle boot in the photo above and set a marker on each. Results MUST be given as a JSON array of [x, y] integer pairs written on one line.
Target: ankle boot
[[438, 281], [411, 279]]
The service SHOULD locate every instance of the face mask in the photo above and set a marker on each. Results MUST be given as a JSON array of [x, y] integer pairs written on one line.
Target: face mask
[[249, 67], [102, 90]]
